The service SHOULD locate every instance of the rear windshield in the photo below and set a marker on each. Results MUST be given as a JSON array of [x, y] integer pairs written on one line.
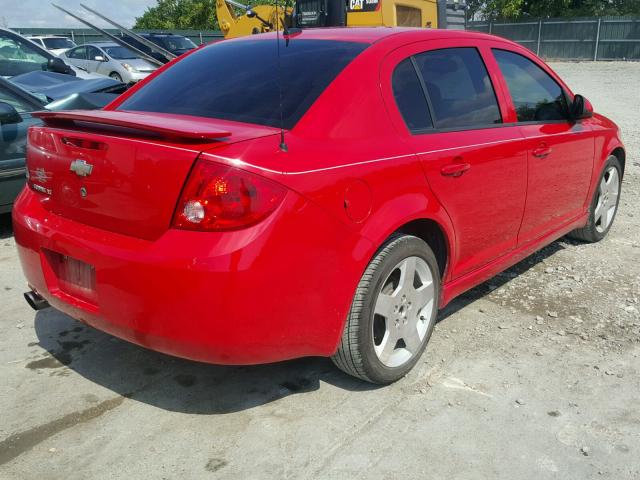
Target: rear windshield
[[55, 43], [238, 80], [173, 42]]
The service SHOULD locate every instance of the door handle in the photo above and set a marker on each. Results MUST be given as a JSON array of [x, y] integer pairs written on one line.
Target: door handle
[[542, 151], [454, 169]]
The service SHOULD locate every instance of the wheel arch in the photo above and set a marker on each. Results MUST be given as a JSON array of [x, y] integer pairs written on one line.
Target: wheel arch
[[434, 235], [434, 231], [620, 154]]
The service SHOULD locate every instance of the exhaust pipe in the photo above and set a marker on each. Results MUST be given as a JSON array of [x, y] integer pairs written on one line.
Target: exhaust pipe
[[35, 300]]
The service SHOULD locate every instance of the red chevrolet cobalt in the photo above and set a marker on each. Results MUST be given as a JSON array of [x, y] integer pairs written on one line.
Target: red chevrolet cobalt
[[240, 208]]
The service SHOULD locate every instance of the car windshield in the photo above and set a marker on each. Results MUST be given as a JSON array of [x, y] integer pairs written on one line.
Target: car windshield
[[174, 43], [120, 53], [238, 80], [18, 97], [57, 43], [18, 57]]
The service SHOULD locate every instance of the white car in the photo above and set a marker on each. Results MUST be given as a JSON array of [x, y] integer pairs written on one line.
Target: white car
[[109, 59], [55, 44]]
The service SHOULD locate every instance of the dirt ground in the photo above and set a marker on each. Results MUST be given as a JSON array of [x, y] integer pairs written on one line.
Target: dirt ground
[[532, 375]]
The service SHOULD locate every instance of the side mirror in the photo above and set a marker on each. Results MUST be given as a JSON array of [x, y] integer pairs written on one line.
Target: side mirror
[[57, 65], [8, 114], [99, 58], [581, 108]]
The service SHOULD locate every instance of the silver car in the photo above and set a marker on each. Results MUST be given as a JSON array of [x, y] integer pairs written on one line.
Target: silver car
[[109, 59]]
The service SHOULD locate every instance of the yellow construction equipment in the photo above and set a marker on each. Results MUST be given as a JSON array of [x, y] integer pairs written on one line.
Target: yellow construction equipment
[[258, 19], [325, 13], [392, 13]]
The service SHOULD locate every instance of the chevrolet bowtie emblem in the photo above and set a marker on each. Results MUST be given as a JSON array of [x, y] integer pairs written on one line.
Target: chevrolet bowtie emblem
[[81, 168]]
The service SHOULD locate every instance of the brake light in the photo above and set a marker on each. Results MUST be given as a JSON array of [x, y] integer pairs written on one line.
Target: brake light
[[218, 197], [41, 139], [38, 178]]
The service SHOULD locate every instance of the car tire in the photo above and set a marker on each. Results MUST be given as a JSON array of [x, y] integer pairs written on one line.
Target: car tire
[[391, 320], [115, 76], [604, 204]]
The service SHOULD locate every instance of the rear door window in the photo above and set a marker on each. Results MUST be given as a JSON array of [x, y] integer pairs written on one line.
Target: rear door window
[[459, 88], [410, 97], [240, 80], [536, 96]]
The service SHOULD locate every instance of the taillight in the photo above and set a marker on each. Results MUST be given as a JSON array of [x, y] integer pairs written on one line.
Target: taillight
[[40, 138], [217, 197], [38, 178]]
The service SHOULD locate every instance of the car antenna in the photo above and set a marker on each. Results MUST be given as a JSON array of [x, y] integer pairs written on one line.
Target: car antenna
[[283, 144]]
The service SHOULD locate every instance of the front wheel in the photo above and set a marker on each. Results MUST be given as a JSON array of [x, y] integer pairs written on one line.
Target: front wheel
[[393, 312], [604, 205], [116, 76]]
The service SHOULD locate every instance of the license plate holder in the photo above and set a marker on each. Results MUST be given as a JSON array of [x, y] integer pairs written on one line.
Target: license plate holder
[[73, 277]]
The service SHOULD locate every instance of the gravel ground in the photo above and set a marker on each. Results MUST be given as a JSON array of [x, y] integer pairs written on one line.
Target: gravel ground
[[533, 375]]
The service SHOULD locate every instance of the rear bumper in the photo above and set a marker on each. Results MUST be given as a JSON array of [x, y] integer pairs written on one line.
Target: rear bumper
[[275, 291]]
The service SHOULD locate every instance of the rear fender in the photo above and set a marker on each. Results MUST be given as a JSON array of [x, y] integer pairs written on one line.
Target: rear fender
[[607, 139], [405, 209]]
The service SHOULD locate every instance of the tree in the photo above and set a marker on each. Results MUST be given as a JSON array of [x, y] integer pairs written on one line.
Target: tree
[[514, 9], [190, 14], [179, 15]]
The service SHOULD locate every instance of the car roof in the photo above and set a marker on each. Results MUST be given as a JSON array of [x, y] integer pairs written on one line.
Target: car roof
[[103, 44], [375, 34], [47, 36], [153, 34]]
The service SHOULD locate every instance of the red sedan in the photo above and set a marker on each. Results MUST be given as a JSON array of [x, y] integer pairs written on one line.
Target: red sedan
[[240, 208]]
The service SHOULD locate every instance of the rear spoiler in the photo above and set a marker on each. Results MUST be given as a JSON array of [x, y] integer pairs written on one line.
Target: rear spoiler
[[175, 127]]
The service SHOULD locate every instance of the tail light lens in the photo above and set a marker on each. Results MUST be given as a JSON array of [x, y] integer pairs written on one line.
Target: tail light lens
[[38, 178], [217, 197]]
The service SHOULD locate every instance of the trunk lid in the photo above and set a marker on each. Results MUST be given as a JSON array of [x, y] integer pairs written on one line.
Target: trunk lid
[[121, 171]]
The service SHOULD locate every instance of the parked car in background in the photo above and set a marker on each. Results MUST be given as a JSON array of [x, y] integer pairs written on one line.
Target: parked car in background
[[55, 44], [176, 44], [231, 212], [50, 86], [110, 59], [15, 118], [16, 106], [20, 55]]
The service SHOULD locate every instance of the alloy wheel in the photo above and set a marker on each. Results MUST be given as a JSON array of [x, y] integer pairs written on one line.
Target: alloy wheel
[[607, 203], [403, 311]]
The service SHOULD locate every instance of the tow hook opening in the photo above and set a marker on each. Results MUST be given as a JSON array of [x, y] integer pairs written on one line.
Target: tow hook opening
[[35, 300]]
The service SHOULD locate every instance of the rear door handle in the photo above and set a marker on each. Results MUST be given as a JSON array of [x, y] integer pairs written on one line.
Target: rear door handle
[[542, 151], [454, 169]]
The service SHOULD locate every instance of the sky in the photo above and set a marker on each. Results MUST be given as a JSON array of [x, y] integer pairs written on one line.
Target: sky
[[40, 13]]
